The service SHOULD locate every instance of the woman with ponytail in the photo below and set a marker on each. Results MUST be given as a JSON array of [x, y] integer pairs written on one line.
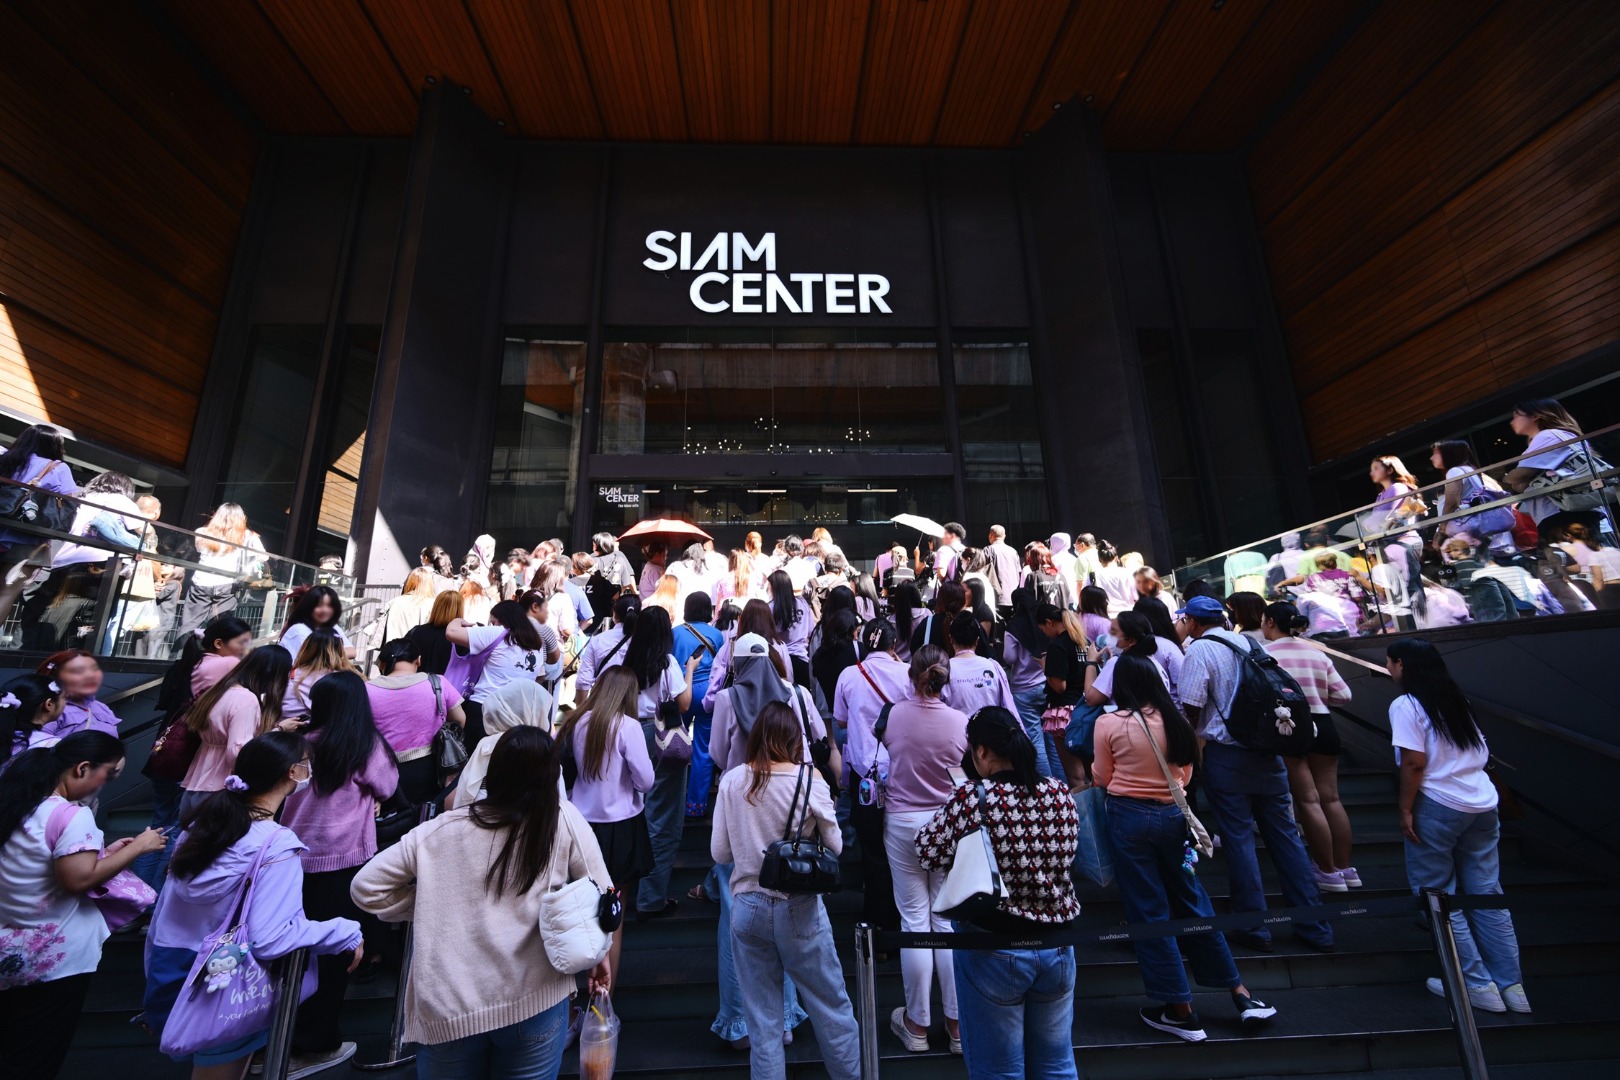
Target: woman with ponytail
[[1017, 1005], [1448, 816], [1153, 857], [28, 704], [51, 933], [243, 704], [1313, 778], [223, 836], [926, 738], [206, 657]]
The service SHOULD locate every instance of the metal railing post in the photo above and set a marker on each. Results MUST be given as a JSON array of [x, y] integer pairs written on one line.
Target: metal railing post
[[395, 1056], [289, 978], [866, 999], [1470, 1052]]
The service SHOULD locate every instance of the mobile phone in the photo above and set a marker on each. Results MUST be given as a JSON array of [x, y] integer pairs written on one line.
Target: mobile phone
[[958, 775]]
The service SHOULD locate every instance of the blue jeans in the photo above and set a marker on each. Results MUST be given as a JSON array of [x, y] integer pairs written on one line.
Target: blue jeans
[[1017, 1013], [1149, 845], [1459, 853], [1031, 703], [731, 1023], [666, 816], [702, 768], [151, 867], [770, 938], [1249, 791], [531, 1049]]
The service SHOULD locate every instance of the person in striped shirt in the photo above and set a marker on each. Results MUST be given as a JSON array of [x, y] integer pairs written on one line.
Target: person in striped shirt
[[1313, 779]]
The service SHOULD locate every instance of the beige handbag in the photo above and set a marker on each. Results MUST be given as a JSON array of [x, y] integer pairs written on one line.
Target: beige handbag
[[1200, 835]]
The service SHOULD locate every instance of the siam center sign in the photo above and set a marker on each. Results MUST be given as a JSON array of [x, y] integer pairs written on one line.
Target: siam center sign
[[739, 276]]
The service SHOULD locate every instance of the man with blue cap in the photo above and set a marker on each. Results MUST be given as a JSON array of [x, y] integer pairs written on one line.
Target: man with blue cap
[[1247, 789]]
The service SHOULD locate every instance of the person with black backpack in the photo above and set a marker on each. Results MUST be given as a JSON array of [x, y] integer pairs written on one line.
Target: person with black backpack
[[1248, 711]]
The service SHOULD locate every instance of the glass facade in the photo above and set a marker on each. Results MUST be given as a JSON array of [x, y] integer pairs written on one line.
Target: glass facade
[[537, 435], [770, 396], [1003, 472]]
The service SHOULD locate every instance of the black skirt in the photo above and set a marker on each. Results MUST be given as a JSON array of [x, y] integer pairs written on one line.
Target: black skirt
[[626, 849]]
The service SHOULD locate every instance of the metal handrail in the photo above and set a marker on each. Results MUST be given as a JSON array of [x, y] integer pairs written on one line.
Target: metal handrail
[[1428, 489]]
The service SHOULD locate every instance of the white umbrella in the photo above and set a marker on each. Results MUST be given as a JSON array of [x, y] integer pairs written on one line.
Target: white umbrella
[[926, 526]]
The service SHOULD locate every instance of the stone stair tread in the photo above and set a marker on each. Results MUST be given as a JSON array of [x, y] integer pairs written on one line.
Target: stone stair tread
[[668, 1046]]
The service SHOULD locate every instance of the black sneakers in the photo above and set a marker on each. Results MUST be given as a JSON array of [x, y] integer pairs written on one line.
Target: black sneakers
[[1252, 1010], [1161, 1018]]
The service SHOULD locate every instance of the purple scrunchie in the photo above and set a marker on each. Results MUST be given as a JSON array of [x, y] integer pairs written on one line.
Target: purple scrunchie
[[235, 783]]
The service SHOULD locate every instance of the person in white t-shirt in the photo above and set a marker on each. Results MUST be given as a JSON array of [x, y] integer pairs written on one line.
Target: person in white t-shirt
[[1448, 817], [513, 647]]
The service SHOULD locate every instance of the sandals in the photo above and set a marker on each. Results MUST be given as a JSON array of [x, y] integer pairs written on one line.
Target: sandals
[[696, 893]]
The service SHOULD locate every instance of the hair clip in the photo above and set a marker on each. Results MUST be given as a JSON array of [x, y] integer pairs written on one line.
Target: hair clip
[[54, 687], [9, 701], [235, 783], [198, 633]]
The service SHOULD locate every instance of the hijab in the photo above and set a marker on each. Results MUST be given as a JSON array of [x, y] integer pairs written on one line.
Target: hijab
[[754, 686], [521, 703], [1058, 543]]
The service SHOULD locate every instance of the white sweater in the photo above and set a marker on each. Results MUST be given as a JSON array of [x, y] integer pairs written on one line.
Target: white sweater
[[742, 829], [479, 964]]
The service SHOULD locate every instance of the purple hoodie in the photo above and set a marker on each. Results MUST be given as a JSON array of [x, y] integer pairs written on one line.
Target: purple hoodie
[[79, 716], [188, 911]]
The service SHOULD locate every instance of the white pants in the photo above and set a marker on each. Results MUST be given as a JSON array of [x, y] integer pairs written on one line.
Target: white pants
[[914, 892]]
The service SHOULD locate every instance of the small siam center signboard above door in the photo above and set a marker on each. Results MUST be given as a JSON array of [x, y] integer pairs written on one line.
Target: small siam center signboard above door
[[739, 276]]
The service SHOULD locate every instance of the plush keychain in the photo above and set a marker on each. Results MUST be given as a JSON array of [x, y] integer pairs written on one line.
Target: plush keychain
[[222, 964]]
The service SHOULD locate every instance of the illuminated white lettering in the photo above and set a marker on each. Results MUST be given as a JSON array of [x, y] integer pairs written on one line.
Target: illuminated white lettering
[[716, 248], [697, 293], [840, 288], [874, 287], [774, 288], [740, 249], [804, 282], [686, 251], [657, 243], [745, 300]]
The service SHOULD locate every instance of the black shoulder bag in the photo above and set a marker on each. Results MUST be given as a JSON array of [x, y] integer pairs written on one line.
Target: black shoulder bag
[[820, 749], [795, 864]]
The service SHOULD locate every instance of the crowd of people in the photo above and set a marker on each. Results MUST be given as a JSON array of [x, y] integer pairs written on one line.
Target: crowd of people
[[1553, 550], [569, 716]]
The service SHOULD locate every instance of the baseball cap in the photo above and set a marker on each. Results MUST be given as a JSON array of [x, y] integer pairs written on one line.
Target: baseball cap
[[750, 645], [1203, 607]]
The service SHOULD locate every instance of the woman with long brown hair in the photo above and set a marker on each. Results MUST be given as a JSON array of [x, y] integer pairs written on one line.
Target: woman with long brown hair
[[605, 749], [320, 655], [412, 607], [244, 704], [232, 552]]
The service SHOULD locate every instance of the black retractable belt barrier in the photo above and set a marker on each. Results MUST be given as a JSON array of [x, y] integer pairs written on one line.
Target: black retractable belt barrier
[[869, 941]]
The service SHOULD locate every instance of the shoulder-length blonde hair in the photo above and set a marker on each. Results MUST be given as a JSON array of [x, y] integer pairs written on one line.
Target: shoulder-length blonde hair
[[228, 523], [446, 608]]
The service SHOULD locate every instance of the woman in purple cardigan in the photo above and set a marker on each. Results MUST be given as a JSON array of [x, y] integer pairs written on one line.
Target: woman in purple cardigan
[[223, 837], [351, 771]]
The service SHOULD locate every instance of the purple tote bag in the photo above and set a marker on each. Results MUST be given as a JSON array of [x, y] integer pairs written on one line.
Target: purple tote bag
[[122, 898], [229, 993]]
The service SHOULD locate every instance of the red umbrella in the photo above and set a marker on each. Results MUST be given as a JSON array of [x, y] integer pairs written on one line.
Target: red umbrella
[[668, 530]]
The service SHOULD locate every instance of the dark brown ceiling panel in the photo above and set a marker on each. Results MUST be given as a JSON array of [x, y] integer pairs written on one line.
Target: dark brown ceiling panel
[[537, 58], [985, 101], [247, 52], [1098, 49], [436, 38], [816, 54], [725, 59], [1283, 40], [630, 54], [910, 53], [340, 47], [1187, 51]]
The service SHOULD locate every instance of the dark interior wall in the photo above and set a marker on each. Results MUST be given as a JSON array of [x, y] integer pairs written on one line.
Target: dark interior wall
[[1219, 393], [119, 217], [1441, 211]]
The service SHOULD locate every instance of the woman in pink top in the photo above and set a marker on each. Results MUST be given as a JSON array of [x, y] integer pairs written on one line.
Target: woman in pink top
[[926, 739], [1153, 859], [606, 754], [244, 704], [351, 770], [1314, 778], [410, 706]]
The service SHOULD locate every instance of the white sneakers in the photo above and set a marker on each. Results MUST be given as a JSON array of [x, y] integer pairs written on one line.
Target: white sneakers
[[1488, 998], [913, 1042]]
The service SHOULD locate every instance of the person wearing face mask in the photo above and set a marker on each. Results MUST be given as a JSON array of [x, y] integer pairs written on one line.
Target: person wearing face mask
[[51, 933], [223, 837]]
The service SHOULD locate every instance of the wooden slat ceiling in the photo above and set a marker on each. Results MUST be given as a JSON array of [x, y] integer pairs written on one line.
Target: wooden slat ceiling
[[1165, 74]]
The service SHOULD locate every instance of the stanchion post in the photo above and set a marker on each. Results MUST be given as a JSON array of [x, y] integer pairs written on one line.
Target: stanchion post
[[290, 977], [866, 999], [1469, 1049], [395, 1056]]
